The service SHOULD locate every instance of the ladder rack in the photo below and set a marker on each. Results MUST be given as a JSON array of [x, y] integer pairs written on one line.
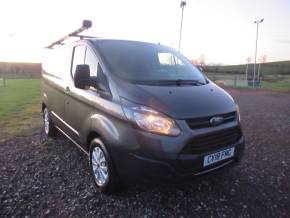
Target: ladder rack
[[85, 25]]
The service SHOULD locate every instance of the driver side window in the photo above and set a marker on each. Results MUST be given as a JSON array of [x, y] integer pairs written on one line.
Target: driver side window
[[78, 57], [91, 60]]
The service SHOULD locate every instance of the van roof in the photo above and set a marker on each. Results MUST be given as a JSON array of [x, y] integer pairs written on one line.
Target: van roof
[[100, 40]]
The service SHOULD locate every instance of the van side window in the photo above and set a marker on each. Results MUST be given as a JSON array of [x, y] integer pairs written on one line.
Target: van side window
[[78, 57], [92, 61]]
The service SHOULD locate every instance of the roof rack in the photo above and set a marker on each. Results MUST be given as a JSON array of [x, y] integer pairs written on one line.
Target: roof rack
[[85, 25]]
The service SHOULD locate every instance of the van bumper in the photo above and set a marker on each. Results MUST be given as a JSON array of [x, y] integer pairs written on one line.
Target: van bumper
[[134, 166]]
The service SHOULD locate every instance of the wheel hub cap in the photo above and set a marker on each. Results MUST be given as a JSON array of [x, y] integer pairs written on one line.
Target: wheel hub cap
[[100, 166]]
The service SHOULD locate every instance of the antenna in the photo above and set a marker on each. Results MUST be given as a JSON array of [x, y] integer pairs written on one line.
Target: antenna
[[86, 25]]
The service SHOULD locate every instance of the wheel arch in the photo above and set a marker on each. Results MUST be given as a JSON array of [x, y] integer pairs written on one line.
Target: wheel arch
[[101, 127], [91, 136], [43, 105]]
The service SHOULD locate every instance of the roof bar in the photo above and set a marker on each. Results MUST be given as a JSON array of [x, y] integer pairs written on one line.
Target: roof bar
[[86, 25]]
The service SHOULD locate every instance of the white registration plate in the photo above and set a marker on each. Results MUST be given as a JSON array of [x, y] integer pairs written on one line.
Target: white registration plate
[[218, 156]]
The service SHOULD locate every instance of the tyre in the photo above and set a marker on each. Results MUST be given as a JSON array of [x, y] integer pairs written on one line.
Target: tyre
[[49, 128], [102, 168]]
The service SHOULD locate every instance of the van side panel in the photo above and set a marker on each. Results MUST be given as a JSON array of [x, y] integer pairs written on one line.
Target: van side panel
[[89, 112], [53, 91], [55, 67]]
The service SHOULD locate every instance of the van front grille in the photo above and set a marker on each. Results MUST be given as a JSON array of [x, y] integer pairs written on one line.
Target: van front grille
[[213, 141], [204, 122]]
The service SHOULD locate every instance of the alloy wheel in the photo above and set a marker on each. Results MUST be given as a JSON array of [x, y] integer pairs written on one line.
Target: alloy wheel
[[100, 166]]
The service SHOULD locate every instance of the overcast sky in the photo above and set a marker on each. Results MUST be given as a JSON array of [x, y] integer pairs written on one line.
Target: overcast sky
[[222, 30]]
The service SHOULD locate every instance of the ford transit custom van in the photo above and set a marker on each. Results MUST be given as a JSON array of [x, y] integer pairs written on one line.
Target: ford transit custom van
[[139, 111]]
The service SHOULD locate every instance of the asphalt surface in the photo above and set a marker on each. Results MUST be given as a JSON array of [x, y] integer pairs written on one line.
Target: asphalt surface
[[50, 178]]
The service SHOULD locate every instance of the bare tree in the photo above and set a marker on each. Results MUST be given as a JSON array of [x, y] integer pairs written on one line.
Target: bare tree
[[202, 60]]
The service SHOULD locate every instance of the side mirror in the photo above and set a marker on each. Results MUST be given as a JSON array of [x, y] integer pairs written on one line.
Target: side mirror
[[82, 76]]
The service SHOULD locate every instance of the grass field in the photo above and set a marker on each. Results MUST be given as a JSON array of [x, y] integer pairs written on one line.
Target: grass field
[[17, 94], [276, 85], [19, 105], [270, 68]]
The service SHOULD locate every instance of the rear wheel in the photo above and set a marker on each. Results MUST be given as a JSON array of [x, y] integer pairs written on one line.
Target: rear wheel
[[102, 168], [49, 128]]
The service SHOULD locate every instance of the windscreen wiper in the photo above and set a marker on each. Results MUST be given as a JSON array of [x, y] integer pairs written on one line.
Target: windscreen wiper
[[178, 82]]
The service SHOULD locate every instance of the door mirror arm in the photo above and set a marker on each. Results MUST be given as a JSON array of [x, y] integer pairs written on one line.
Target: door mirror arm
[[100, 86]]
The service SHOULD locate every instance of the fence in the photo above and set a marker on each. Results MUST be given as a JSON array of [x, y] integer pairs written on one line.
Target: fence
[[240, 81]]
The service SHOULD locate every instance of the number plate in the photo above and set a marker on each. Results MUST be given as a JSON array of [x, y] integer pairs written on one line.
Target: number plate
[[218, 156]]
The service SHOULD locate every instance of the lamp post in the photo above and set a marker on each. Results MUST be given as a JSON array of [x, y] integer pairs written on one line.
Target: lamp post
[[182, 4], [257, 22]]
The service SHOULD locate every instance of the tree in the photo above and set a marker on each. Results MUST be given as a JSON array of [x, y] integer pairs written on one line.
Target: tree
[[202, 60]]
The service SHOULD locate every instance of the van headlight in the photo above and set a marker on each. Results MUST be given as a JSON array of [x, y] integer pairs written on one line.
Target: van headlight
[[151, 120]]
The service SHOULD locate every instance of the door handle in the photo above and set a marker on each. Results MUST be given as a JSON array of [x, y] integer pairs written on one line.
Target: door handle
[[67, 89]]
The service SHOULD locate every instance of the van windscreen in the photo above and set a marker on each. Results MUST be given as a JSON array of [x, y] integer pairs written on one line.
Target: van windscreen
[[145, 62]]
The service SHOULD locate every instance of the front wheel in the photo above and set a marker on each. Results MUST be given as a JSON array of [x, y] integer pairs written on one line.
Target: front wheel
[[102, 168], [49, 128]]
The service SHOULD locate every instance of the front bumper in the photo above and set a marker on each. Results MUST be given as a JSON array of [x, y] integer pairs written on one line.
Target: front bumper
[[173, 168], [142, 155]]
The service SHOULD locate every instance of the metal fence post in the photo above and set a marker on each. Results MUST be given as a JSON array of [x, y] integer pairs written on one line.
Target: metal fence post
[[235, 82]]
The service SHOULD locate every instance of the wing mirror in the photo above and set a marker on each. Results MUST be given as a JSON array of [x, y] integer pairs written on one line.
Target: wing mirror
[[82, 79], [82, 76]]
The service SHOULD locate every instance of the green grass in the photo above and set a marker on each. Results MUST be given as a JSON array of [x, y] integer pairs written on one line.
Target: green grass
[[20, 109], [266, 85], [269, 68], [17, 94], [276, 85], [228, 80]]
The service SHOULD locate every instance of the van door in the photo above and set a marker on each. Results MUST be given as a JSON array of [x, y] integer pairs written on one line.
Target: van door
[[78, 57], [77, 107]]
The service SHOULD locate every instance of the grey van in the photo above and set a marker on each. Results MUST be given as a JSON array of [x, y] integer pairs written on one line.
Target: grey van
[[139, 111]]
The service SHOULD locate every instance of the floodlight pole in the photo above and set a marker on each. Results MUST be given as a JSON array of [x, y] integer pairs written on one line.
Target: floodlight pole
[[182, 4], [256, 22]]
